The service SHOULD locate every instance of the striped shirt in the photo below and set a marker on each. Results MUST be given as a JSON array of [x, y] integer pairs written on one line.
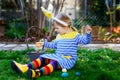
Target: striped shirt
[[66, 48]]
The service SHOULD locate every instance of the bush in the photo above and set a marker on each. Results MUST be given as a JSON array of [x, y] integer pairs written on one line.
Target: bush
[[15, 30]]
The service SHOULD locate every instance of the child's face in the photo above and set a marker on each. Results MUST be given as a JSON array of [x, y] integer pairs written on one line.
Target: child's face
[[59, 28]]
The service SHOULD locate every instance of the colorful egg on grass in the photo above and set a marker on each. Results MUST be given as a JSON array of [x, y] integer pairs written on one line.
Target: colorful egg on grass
[[77, 73], [65, 74], [64, 70]]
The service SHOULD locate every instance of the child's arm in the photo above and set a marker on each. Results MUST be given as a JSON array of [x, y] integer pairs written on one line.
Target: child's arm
[[84, 39], [52, 45], [88, 36]]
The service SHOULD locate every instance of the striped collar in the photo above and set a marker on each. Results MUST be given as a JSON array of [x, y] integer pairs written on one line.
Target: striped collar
[[70, 35]]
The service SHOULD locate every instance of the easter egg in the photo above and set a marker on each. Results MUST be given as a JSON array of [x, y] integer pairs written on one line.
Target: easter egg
[[38, 44], [65, 74], [77, 74], [64, 70]]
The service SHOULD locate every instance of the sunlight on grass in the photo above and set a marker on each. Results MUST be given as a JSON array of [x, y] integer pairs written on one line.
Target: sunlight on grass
[[99, 64]]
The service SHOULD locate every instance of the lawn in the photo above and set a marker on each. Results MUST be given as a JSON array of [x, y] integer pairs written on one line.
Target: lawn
[[99, 64]]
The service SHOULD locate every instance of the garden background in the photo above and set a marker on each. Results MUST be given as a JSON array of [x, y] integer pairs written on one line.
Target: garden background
[[22, 22]]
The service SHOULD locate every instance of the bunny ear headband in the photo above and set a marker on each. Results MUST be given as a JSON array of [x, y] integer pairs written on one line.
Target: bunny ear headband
[[50, 15]]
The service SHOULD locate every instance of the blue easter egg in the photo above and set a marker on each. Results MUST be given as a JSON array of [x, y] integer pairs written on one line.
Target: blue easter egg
[[65, 74], [77, 73]]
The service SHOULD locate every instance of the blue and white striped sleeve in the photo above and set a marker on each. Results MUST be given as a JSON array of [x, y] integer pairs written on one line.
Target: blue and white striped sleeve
[[86, 39], [52, 45]]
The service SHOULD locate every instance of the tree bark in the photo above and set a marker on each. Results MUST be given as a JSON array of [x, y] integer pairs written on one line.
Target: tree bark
[[31, 13], [114, 15], [110, 14]]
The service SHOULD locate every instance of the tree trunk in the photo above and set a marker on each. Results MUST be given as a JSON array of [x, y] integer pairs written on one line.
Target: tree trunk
[[46, 6], [22, 6], [39, 2], [62, 5], [31, 13], [110, 13], [0, 7], [114, 15]]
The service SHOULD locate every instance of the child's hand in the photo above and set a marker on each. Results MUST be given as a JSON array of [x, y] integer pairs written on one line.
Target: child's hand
[[38, 44], [88, 29]]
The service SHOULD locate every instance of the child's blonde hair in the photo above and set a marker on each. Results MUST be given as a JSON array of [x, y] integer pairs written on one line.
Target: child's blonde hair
[[65, 18]]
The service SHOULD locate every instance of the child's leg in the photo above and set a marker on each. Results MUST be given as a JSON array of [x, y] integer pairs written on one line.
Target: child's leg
[[53, 65], [19, 68], [35, 64]]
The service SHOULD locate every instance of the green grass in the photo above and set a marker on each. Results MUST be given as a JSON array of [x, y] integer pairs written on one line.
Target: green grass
[[99, 64]]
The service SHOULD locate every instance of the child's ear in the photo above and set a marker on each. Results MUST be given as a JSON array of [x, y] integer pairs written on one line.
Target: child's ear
[[69, 23]]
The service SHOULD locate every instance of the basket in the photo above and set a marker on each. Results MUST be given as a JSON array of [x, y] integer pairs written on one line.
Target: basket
[[34, 55]]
